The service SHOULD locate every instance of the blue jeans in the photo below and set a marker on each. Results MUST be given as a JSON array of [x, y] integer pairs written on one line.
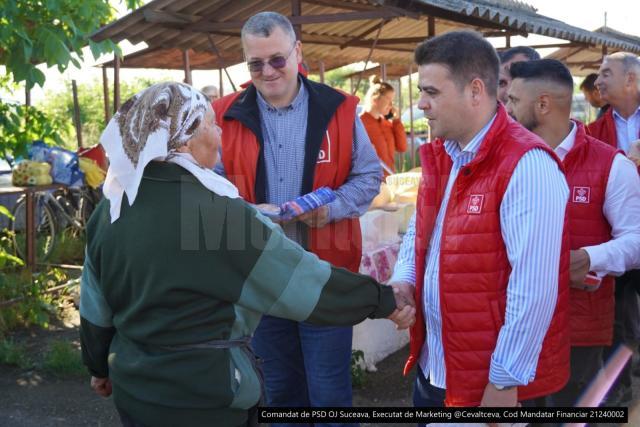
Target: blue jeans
[[304, 365], [426, 395]]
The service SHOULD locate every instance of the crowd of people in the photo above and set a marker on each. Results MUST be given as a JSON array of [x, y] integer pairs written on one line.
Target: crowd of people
[[517, 276]]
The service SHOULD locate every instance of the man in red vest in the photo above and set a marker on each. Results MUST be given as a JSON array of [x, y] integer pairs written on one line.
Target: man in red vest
[[282, 137], [508, 57], [604, 207], [486, 251], [618, 82]]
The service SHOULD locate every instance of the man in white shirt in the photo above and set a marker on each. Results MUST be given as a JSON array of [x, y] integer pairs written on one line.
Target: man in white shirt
[[604, 207], [619, 85], [480, 256]]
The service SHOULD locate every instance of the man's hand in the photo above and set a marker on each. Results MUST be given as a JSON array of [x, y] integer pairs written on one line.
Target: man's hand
[[580, 264], [404, 294], [101, 386], [403, 318], [270, 211], [494, 397], [316, 218]]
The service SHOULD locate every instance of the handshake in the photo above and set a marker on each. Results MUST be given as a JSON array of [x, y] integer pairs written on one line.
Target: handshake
[[405, 313]]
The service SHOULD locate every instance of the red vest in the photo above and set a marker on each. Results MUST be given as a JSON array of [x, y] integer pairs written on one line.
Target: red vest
[[587, 168], [326, 164], [604, 129], [473, 304]]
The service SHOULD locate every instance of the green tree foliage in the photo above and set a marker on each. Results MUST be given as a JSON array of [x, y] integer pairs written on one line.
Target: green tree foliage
[[50, 31], [59, 106], [20, 125], [44, 31]]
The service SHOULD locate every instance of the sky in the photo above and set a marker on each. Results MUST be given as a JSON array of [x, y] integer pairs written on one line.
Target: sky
[[622, 15]]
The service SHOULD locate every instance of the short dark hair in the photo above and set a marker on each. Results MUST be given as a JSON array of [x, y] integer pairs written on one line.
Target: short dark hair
[[467, 56], [527, 51], [589, 82], [550, 70], [264, 23]]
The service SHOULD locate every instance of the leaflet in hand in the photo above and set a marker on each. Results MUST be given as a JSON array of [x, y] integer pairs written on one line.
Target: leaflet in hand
[[300, 205]]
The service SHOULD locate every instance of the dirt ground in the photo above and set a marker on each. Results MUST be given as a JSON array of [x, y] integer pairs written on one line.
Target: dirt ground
[[35, 399], [32, 398]]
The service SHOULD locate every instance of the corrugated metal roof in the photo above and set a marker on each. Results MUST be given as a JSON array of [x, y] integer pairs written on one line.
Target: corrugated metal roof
[[341, 37], [585, 60], [517, 15]]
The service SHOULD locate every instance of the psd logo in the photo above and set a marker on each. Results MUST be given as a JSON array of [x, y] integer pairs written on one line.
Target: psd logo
[[324, 156], [581, 194], [475, 204]]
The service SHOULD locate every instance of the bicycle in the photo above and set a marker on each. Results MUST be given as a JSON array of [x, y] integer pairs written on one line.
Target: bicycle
[[55, 211]]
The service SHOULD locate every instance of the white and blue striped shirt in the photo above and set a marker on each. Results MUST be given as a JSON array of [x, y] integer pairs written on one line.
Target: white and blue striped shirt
[[532, 219], [284, 132], [627, 130]]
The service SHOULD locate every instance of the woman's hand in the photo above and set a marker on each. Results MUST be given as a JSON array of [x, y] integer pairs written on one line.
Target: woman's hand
[[101, 386], [396, 112]]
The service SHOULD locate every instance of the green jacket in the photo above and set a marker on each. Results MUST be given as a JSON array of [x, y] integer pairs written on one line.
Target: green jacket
[[184, 266]]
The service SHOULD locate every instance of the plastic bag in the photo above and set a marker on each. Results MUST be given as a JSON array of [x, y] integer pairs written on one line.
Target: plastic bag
[[65, 168], [29, 173], [94, 175]]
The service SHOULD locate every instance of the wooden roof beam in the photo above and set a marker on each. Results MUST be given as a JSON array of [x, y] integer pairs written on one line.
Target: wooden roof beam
[[339, 4], [172, 19], [504, 33], [551, 45], [168, 17], [363, 34], [400, 40]]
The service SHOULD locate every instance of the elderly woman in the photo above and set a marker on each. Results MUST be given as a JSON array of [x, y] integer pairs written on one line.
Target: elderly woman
[[176, 279]]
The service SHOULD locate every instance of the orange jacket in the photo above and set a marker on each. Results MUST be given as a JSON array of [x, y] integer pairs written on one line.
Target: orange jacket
[[327, 161], [387, 137]]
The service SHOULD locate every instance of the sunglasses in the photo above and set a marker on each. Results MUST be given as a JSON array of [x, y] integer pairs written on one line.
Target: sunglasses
[[277, 62]]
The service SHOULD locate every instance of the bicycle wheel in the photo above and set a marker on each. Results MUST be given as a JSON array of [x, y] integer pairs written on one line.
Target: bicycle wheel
[[45, 228]]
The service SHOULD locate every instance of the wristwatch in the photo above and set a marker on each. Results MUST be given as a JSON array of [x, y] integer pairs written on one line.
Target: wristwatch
[[502, 387]]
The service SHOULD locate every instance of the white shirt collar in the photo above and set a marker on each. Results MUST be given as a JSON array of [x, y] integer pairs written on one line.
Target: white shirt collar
[[567, 144], [617, 115]]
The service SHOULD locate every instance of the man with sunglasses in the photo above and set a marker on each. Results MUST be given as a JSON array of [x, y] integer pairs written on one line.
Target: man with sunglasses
[[285, 136]]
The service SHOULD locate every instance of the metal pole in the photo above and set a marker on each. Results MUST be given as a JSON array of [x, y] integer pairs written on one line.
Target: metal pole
[[400, 94], [221, 82], [187, 66], [105, 95], [296, 10], [76, 113], [373, 46], [321, 70], [431, 27], [116, 83], [383, 72], [411, 134], [30, 243], [221, 60]]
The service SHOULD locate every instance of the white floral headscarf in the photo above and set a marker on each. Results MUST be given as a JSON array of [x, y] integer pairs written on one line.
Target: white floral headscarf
[[152, 125]]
